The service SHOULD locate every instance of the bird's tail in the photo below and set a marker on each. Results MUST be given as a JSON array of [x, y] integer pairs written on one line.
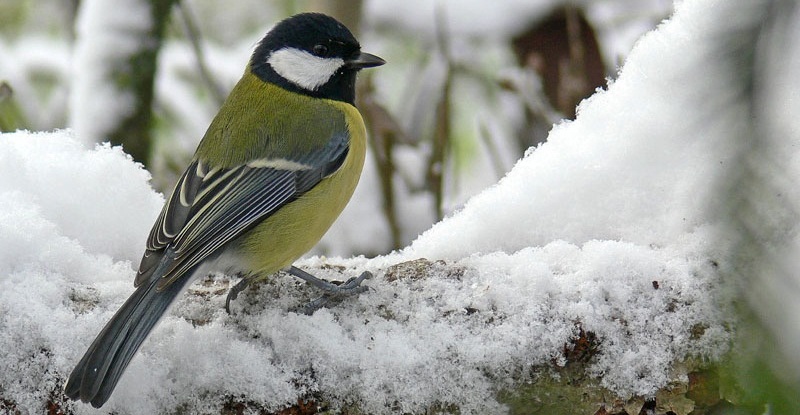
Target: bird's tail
[[98, 372]]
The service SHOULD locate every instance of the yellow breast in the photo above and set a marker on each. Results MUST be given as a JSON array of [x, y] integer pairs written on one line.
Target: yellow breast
[[294, 229]]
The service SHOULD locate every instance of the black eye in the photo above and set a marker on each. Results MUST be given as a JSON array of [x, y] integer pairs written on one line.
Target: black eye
[[320, 50]]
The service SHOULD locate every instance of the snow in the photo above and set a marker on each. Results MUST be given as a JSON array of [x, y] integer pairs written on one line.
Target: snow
[[79, 191], [462, 19], [69, 217], [106, 32], [618, 22], [609, 227]]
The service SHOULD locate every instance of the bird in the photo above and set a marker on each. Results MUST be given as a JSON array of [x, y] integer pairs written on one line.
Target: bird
[[274, 170]]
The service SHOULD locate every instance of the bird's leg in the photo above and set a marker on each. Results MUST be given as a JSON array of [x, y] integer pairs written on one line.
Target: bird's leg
[[234, 292], [331, 291]]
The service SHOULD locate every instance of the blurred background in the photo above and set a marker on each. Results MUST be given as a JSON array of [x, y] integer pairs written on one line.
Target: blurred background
[[469, 87]]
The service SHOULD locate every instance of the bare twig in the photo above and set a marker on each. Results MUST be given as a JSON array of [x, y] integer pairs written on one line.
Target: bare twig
[[385, 132], [491, 147], [193, 35], [442, 129]]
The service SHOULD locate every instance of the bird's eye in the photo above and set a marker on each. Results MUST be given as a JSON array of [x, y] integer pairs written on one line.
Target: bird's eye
[[320, 50]]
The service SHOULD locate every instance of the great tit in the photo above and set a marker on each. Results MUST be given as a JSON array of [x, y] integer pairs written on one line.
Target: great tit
[[274, 170]]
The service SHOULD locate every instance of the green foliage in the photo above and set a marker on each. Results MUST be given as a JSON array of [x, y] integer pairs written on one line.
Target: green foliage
[[11, 116], [13, 15], [755, 376]]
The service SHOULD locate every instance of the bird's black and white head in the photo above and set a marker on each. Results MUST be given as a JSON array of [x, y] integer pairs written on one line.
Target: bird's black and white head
[[312, 54]]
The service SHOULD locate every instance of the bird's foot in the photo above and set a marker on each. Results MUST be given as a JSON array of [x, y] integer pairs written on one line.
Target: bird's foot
[[333, 293], [234, 292]]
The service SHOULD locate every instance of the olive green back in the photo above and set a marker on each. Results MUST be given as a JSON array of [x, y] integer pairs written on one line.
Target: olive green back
[[261, 120]]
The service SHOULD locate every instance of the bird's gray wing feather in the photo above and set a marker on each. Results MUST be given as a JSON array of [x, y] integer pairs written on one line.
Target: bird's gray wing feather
[[210, 207]]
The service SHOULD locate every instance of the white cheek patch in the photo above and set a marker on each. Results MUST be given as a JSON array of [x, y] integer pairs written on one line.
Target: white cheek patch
[[302, 68]]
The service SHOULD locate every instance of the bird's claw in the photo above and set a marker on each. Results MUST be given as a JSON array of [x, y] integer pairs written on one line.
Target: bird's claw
[[332, 293], [233, 293], [335, 293]]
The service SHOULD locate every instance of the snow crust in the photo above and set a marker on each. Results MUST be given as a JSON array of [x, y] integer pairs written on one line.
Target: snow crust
[[608, 228]]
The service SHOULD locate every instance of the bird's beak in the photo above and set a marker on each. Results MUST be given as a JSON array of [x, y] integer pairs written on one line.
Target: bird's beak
[[364, 60]]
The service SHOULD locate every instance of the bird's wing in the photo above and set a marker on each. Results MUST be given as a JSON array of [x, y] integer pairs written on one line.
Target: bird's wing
[[211, 206]]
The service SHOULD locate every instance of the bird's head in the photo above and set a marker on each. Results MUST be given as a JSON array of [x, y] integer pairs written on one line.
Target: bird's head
[[312, 54]]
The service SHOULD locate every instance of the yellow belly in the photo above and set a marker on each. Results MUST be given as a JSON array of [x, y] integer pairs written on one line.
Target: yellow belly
[[294, 229]]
